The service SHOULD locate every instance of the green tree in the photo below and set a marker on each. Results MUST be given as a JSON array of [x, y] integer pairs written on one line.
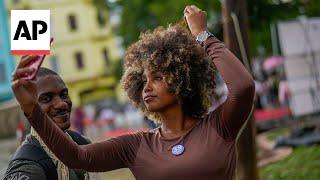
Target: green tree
[[262, 13], [150, 14], [140, 15]]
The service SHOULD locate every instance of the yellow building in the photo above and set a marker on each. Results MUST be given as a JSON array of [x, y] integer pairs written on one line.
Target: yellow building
[[84, 50]]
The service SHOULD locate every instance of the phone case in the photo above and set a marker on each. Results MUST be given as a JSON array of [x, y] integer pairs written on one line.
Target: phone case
[[35, 63]]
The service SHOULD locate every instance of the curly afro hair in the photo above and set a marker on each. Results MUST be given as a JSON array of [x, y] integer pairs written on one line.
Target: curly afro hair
[[188, 71]]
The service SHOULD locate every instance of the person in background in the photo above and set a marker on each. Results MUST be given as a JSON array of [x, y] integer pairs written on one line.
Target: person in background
[[273, 89], [284, 92], [20, 131], [78, 119]]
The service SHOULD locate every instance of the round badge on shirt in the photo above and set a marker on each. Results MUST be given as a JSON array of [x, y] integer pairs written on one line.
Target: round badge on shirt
[[177, 149]]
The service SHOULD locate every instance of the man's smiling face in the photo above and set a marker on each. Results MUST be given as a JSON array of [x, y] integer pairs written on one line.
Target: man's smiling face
[[53, 97]]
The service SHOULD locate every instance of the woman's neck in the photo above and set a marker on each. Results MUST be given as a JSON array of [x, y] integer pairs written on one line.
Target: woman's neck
[[175, 123]]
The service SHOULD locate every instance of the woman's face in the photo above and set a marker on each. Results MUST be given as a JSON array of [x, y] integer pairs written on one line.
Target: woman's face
[[155, 93]]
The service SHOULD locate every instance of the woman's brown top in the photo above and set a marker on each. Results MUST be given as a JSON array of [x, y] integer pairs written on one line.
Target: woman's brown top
[[210, 146]]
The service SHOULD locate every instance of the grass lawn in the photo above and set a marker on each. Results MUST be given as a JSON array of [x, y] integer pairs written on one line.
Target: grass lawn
[[303, 163], [274, 134]]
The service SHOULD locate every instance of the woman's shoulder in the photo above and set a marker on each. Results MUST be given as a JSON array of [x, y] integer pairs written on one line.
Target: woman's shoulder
[[147, 133], [138, 135]]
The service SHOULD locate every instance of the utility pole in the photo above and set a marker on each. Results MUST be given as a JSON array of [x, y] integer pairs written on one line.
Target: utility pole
[[235, 31]]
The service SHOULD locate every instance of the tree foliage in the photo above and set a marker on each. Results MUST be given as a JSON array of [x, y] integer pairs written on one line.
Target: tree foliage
[[140, 15]]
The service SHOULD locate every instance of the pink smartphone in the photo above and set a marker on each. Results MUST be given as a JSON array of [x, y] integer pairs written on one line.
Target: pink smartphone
[[36, 64]]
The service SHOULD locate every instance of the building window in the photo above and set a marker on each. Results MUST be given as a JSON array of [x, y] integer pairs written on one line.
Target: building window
[[72, 22], [54, 63], [16, 1], [106, 56], [101, 16], [2, 73], [79, 60]]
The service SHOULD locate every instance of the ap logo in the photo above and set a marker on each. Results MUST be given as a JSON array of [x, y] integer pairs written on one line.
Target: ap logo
[[30, 32]]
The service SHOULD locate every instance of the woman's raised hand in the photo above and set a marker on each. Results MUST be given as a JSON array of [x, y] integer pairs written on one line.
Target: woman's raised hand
[[196, 19]]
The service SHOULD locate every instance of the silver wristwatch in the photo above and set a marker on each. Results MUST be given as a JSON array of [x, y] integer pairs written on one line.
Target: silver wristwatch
[[202, 36]]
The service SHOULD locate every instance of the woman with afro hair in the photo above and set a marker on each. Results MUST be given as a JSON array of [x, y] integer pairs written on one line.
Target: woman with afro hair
[[168, 75]]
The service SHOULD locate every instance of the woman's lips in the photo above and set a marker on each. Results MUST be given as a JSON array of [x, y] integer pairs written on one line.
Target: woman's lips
[[149, 98]]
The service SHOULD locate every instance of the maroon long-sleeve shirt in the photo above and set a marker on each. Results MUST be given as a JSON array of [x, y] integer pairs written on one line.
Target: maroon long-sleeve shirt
[[210, 146]]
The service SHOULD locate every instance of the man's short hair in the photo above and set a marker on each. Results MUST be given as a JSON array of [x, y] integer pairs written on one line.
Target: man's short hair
[[45, 72]]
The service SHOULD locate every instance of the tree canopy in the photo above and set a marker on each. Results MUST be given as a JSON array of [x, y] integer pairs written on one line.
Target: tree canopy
[[140, 15]]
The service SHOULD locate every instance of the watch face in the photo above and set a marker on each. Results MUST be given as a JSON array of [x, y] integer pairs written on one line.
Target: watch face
[[205, 36], [202, 36]]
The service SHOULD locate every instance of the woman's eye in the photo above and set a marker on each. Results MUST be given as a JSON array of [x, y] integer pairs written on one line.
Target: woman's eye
[[144, 81], [158, 78]]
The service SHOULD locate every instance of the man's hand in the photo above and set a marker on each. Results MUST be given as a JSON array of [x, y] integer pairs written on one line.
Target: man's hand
[[196, 19], [24, 90]]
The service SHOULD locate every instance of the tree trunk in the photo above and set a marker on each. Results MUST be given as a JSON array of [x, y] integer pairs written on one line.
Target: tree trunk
[[246, 148]]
